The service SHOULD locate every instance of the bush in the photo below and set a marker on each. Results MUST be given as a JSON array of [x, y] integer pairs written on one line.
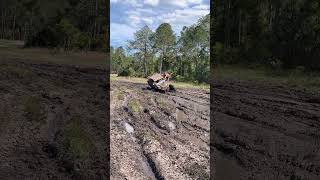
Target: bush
[[81, 41], [127, 72]]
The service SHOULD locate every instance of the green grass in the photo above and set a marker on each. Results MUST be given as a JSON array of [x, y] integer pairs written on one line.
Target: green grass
[[134, 106], [291, 78], [114, 77], [11, 50]]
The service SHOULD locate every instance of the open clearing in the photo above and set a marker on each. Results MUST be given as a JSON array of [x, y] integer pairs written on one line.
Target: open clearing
[[52, 116], [14, 50], [265, 131], [159, 136]]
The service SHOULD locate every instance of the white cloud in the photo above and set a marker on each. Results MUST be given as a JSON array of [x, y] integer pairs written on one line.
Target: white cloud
[[194, 1], [186, 15], [147, 20], [202, 6], [134, 3], [134, 20], [151, 2], [181, 3], [120, 33]]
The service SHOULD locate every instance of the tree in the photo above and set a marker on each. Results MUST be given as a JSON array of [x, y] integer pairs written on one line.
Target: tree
[[143, 44], [187, 59], [34, 22], [194, 49], [260, 32], [165, 40], [119, 60]]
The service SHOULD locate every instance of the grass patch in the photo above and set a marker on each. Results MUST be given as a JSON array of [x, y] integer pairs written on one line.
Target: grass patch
[[114, 77], [77, 140], [16, 72], [9, 43], [292, 78], [134, 106], [165, 105], [120, 95], [13, 50], [162, 102], [149, 136], [74, 145], [33, 109]]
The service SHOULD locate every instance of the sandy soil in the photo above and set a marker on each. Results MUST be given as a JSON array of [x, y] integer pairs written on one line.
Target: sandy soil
[[52, 121], [159, 136], [263, 131]]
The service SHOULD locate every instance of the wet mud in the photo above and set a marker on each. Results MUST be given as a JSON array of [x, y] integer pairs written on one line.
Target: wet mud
[[264, 131], [52, 121], [159, 135]]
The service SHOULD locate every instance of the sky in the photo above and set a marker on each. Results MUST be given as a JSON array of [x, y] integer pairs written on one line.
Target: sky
[[128, 16]]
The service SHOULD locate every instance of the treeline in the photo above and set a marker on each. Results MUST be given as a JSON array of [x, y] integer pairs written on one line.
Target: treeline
[[65, 24], [186, 57], [277, 34]]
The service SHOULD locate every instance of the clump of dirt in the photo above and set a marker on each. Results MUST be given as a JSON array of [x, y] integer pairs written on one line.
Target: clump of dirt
[[162, 143], [264, 131], [52, 121]]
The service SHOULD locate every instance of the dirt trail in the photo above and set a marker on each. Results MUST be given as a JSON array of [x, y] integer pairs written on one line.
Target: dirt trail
[[159, 136], [263, 131], [48, 128]]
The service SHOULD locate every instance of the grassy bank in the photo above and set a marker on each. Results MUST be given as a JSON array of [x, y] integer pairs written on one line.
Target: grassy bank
[[292, 78], [11, 50], [114, 77]]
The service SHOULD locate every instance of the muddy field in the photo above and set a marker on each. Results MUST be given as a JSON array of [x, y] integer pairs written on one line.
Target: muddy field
[[159, 136], [52, 121], [263, 131]]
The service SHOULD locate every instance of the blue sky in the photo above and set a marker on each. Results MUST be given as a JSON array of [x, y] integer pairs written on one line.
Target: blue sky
[[128, 16]]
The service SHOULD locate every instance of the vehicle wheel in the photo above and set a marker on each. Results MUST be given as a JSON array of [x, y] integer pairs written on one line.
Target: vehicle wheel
[[171, 87], [150, 82]]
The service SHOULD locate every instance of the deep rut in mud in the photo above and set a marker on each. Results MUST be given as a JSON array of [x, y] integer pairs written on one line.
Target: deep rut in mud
[[263, 131], [48, 128], [159, 136]]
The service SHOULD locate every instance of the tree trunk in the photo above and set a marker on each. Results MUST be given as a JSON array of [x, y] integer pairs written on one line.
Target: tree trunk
[[14, 27], [144, 60], [25, 31], [240, 14], [161, 60], [227, 30], [4, 25]]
